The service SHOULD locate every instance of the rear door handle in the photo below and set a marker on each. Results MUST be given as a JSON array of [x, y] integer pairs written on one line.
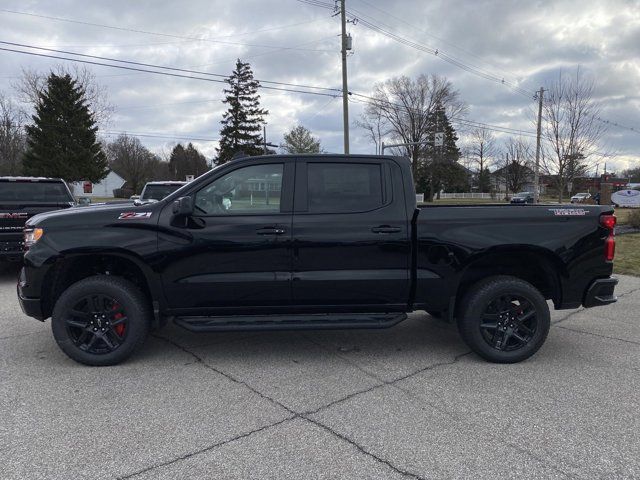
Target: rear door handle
[[271, 231], [386, 229]]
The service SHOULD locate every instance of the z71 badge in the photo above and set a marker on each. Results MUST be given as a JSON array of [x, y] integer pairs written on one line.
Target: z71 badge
[[569, 212], [132, 215]]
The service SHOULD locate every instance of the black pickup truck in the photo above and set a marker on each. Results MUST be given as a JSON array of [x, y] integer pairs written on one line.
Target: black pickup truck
[[20, 199], [293, 242]]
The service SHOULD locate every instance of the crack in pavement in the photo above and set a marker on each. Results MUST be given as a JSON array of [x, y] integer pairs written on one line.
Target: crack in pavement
[[383, 382], [294, 415], [597, 335], [419, 398], [624, 294], [205, 449], [228, 376], [454, 416], [582, 309], [360, 448]]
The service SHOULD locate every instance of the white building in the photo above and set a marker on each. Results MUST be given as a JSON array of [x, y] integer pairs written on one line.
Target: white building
[[104, 188]]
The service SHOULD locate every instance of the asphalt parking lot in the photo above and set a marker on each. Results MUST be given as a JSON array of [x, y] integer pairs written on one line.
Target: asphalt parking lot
[[409, 402]]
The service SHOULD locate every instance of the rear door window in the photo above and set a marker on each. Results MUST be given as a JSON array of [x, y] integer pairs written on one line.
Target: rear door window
[[344, 187]]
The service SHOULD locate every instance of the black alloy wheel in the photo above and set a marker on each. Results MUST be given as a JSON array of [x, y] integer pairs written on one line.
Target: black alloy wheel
[[504, 319], [509, 322], [97, 324], [101, 320]]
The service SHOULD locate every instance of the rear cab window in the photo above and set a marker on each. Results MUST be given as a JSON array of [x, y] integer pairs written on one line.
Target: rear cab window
[[343, 187], [158, 191], [26, 191]]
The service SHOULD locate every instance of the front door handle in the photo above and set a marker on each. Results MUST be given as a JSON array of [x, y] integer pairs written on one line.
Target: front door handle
[[270, 231], [386, 229]]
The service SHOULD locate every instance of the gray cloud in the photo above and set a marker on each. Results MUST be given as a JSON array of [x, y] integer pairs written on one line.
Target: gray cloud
[[525, 42]]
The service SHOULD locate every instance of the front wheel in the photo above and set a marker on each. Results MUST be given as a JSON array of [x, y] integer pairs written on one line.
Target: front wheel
[[504, 319], [101, 320]]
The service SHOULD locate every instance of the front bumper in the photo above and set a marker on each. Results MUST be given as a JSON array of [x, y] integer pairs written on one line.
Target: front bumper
[[30, 306], [11, 250], [600, 292]]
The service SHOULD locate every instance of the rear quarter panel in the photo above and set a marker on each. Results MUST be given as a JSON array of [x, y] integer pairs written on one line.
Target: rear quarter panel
[[451, 238]]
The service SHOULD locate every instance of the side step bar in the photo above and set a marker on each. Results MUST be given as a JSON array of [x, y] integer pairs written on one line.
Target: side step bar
[[290, 322]]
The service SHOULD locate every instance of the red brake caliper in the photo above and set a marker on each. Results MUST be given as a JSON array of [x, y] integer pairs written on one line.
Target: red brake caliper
[[119, 329]]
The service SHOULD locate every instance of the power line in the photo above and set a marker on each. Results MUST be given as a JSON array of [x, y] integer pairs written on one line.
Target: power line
[[359, 17], [110, 133], [616, 124], [463, 121], [453, 45], [159, 136], [438, 53], [169, 74], [147, 32], [174, 69]]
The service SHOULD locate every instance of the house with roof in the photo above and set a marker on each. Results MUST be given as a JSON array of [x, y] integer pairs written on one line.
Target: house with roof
[[104, 188]]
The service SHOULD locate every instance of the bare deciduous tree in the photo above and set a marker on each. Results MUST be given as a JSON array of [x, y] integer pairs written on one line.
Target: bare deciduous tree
[[375, 128], [571, 128], [482, 149], [12, 137], [517, 160], [32, 83], [403, 108], [131, 160]]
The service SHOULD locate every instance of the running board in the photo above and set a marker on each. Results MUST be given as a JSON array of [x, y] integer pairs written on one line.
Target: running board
[[290, 322]]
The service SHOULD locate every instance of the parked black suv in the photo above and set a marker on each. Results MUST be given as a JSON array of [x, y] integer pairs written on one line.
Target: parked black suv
[[20, 199], [322, 241]]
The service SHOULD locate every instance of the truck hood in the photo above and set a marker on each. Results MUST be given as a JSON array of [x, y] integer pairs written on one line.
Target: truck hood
[[90, 214]]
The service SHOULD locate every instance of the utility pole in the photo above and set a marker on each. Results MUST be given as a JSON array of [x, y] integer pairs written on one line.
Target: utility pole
[[536, 178], [345, 90], [266, 144]]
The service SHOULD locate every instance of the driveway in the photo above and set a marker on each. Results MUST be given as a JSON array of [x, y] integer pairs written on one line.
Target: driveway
[[408, 402]]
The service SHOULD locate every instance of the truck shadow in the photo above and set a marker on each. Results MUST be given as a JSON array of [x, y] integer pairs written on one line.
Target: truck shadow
[[418, 338], [9, 271]]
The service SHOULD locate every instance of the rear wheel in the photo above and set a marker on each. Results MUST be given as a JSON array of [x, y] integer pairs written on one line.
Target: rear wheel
[[504, 319], [101, 320]]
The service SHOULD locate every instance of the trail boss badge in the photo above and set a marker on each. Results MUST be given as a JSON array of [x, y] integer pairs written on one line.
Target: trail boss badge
[[568, 212]]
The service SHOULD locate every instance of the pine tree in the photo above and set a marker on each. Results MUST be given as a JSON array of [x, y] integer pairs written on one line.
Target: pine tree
[[438, 166], [300, 140], [242, 122], [62, 141]]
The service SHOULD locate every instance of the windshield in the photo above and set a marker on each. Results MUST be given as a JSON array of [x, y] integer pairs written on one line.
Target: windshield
[[49, 192], [158, 192], [522, 194]]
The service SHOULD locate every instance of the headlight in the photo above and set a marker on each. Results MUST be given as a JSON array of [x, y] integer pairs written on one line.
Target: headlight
[[31, 236]]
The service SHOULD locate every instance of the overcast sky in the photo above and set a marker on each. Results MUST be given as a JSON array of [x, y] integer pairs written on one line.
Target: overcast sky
[[526, 43]]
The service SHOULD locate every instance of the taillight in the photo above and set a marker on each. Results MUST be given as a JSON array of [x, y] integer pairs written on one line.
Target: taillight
[[609, 248], [609, 222]]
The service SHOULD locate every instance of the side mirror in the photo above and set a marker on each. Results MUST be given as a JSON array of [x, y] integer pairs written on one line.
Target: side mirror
[[183, 207]]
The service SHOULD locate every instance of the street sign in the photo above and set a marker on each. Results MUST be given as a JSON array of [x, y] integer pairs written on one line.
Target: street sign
[[439, 139]]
